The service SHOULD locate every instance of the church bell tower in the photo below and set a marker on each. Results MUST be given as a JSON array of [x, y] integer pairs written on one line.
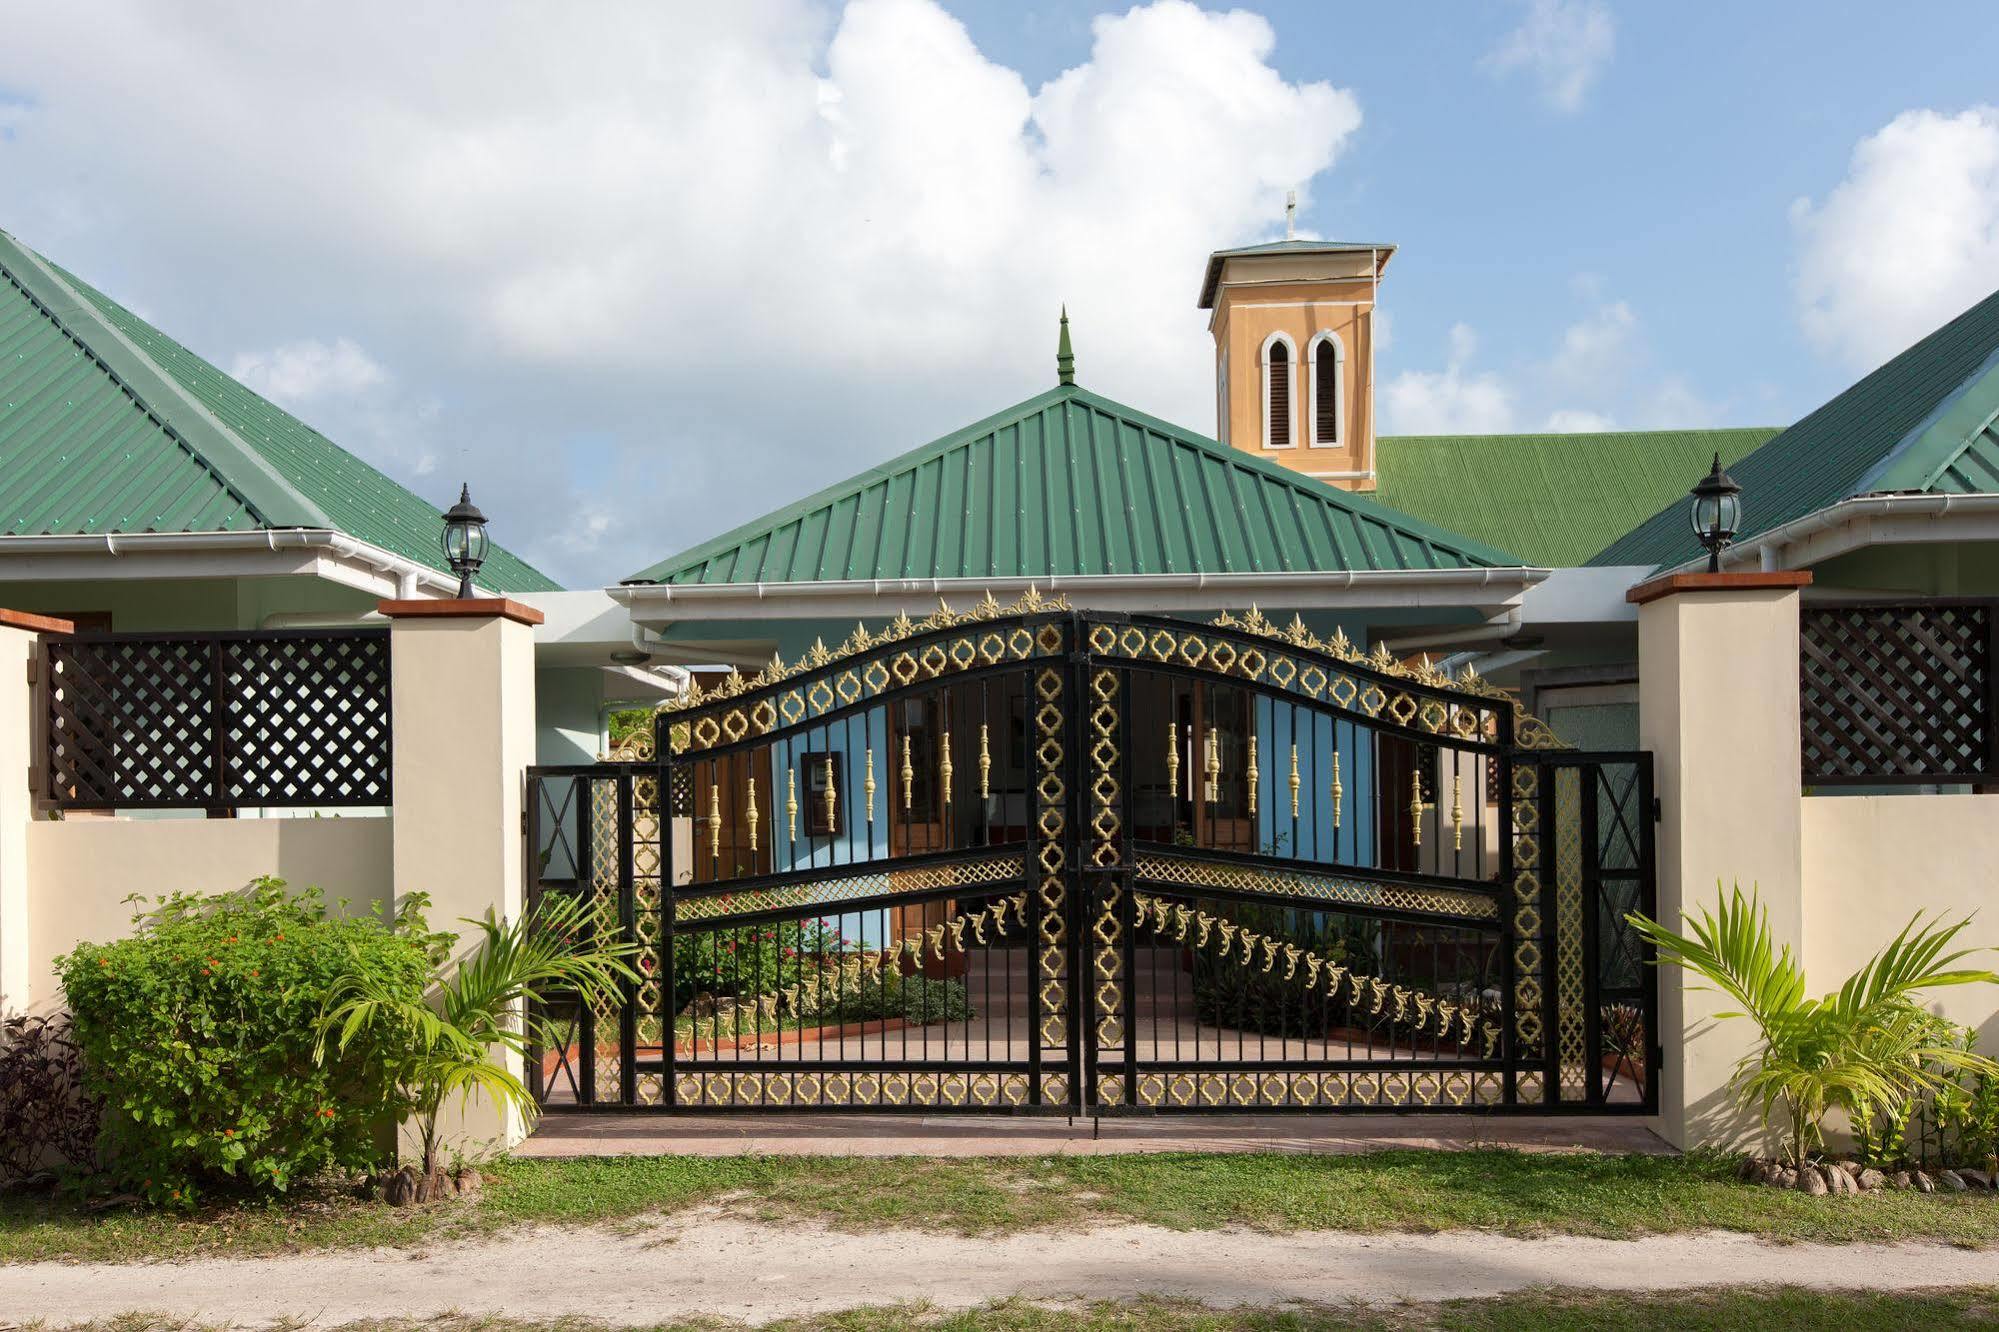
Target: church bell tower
[[1293, 323]]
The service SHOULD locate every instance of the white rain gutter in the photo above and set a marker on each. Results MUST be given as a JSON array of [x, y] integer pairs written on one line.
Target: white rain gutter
[[1810, 539], [412, 580], [1308, 590]]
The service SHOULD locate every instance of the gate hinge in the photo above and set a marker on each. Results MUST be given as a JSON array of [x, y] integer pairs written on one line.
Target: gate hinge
[[524, 823], [1658, 810], [34, 668]]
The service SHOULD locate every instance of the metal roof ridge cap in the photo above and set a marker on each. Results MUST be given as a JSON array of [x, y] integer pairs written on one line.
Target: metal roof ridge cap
[[1902, 448], [224, 436]]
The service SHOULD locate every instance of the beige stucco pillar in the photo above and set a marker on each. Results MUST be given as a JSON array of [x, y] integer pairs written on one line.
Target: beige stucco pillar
[[1718, 708], [18, 762], [462, 681]]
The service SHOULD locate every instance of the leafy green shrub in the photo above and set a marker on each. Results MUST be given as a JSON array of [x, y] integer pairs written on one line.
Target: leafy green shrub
[[1953, 1122], [748, 960], [1869, 1048], [198, 1033], [832, 999]]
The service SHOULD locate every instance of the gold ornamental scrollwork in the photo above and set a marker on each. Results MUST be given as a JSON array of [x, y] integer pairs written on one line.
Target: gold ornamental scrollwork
[[863, 639]]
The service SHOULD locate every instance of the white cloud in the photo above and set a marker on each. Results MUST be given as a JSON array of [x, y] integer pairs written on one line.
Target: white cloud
[[1451, 401], [740, 250], [296, 373], [1601, 375], [1597, 348], [1571, 421], [1907, 240], [1563, 44]]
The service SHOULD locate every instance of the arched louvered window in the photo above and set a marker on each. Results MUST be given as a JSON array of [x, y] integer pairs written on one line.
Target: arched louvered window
[[1278, 430], [1328, 394]]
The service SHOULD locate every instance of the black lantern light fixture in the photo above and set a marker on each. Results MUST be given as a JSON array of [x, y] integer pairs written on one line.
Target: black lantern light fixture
[[1717, 512], [464, 540]]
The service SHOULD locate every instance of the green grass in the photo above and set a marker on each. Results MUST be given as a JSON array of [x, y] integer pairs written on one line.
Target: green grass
[[1785, 1310], [1501, 1191]]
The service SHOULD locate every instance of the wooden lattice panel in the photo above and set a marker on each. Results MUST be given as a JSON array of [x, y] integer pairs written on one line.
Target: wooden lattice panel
[[261, 720], [1898, 693]]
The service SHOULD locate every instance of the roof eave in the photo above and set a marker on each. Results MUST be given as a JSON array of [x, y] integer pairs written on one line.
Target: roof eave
[[310, 552], [1211, 280], [1862, 521], [1489, 590]]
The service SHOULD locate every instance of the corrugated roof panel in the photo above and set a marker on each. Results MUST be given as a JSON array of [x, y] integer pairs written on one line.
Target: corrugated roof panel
[[128, 465], [1554, 499], [1875, 436], [1070, 483]]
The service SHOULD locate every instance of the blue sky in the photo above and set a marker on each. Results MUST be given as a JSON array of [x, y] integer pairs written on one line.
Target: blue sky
[[1668, 187], [642, 272]]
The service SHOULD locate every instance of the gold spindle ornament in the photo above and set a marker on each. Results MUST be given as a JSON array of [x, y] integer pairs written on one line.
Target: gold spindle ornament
[[1255, 774], [985, 764], [1295, 783], [1173, 759], [1214, 765], [714, 819], [832, 798], [750, 812], [1457, 811], [1416, 809], [944, 768], [868, 785], [908, 777], [1338, 790], [791, 801]]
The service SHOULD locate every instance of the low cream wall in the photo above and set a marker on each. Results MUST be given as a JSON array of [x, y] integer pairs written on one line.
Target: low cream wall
[[80, 871], [1871, 862]]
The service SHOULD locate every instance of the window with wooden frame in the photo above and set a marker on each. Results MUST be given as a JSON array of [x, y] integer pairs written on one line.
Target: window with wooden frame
[[1278, 427], [1328, 369]]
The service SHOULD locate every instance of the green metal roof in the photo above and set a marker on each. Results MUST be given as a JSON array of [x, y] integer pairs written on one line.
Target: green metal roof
[[1554, 500], [1212, 278], [108, 425], [1071, 483], [1922, 422]]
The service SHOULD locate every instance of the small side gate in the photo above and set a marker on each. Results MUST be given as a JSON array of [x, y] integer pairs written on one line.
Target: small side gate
[[1039, 859]]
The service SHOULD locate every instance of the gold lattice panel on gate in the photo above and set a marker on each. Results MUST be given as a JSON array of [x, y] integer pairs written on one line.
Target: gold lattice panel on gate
[[1106, 800], [1051, 824], [1338, 889], [647, 924], [979, 871], [1268, 1089], [1569, 1003], [707, 1089], [606, 855], [1526, 916]]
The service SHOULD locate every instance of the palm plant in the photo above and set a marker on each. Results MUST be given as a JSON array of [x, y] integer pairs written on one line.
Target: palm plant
[[1868, 1046], [489, 1004]]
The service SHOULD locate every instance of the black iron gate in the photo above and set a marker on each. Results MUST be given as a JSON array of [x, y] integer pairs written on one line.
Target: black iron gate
[[1038, 859]]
